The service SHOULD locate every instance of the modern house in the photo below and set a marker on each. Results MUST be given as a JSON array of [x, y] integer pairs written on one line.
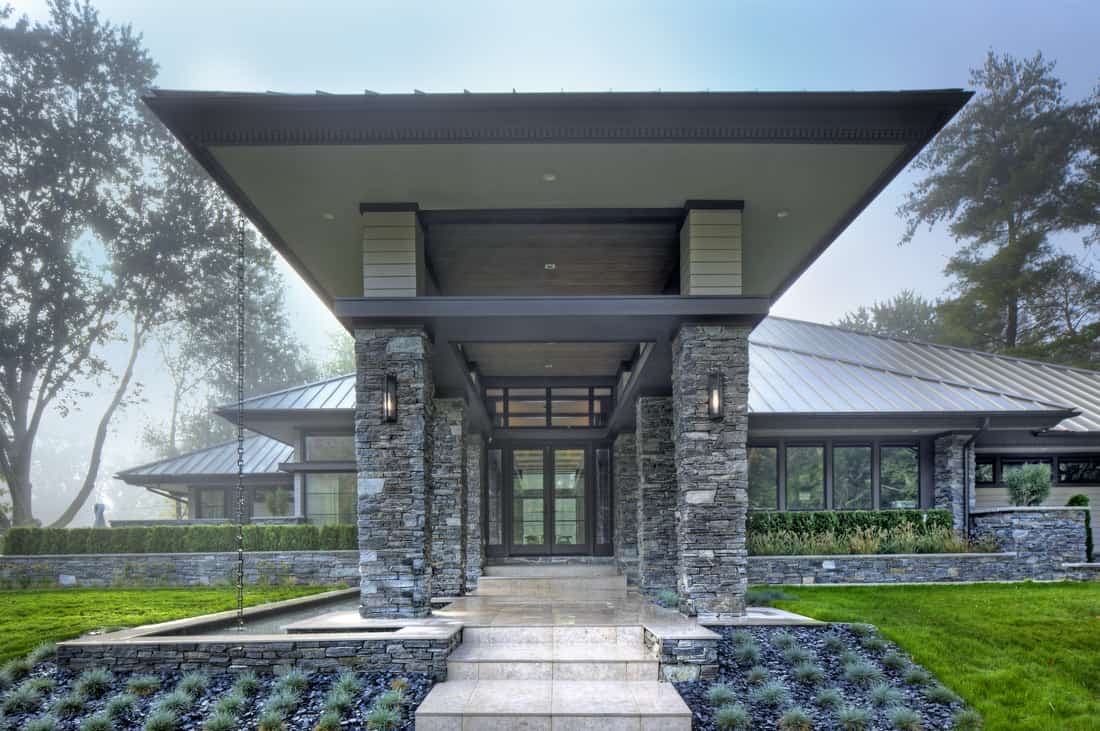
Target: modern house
[[559, 305]]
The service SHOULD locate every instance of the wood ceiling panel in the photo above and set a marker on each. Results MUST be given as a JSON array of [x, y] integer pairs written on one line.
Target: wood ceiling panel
[[588, 259], [511, 360]]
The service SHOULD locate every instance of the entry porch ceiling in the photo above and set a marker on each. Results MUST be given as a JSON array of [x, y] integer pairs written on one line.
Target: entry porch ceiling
[[547, 360], [300, 165]]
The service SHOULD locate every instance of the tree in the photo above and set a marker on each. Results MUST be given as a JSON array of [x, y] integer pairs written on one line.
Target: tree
[[905, 315], [1001, 177], [341, 355]]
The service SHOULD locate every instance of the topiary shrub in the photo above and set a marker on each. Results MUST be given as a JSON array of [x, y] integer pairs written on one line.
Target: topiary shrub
[[1082, 501], [1028, 485]]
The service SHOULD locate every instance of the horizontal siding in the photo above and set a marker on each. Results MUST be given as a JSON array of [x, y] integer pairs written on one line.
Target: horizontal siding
[[393, 246], [710, 253]]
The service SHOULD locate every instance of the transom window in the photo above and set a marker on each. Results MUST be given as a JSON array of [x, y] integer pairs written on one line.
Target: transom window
[[1065, 469], [330, 448], [566, 407]]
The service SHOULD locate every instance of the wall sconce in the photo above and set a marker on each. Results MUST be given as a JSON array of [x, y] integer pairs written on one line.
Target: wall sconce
[[714, 396], [389, 399]]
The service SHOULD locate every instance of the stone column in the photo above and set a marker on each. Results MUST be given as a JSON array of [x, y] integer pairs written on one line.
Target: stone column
[[953, 479], [475, 543], [711, 470], [394, 536], [447, 497], [656, 496], [626, 506]]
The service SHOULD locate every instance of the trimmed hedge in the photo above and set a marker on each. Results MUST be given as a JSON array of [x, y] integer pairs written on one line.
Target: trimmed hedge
[[843, 522], [179, 539]]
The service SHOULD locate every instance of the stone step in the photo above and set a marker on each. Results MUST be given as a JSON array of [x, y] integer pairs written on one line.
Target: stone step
[[545, 661], [551, 571], [630, 636], [558, 704], [588, 588]]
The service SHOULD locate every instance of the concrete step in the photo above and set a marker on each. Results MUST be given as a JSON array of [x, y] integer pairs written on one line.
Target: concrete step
[[629, 636], [551, 571], [553, 705], [585, 588], [543, 661]]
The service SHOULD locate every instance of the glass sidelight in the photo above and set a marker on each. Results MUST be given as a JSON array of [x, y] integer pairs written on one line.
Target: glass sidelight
[[569, 497], [528, 498]]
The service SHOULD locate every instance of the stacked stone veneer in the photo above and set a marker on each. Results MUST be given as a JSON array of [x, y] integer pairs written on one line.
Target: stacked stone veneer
[[711, 470], [681, 659], [447, 497], [315, 568], [888, 569], [475, 542], [656, 496], [625, 460], [265, 656], [394, 533], [1043, 538], [954, 477]]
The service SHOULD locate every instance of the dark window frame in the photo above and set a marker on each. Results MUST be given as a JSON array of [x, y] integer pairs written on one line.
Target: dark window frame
[[887, 444], [596, 393], [305, 493], [872, 453], [779, 497], [1054, 459], [826, 469]]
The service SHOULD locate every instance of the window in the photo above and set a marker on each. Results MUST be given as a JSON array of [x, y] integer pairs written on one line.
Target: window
[[899, 477], [806, 478], [519, 408], [1079, 470], [494, 498], [984, 473], [330, 448], [763, 478], [331, 497], [852, 484], [272, 502], [212, 503]]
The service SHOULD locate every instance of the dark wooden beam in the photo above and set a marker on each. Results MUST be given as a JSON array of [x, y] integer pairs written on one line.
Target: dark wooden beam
[[623, 415]]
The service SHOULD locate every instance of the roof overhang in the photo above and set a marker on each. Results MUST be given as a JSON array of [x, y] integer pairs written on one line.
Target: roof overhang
[[286, 425], [179, 483], [300, 165], [900, 423]]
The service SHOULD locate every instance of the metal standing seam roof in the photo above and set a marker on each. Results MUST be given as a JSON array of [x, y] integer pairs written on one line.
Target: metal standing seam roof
[[337, 392], [940, 372], [262, 456]]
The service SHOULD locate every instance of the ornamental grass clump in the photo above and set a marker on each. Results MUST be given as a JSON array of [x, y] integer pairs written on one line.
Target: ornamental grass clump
[[862, 630], [796, 719], [853, 718], [329, 721], [732, 718], [833, 642], [772, 694], [720, 694], [942, 695], [668, 598], [220, 722], [895, 661], [42, 653], [884, 694], [21, 699], [231, 703], [271, 720], [808, 672], [143, 685], [784, 640], [967, 719], [98, 722], [282, 702], [176, 702], [294, 681], [349, 683], [740, 638], [339, 701], [797, 655], [162, 720], [830, 698], [42, 723], [747, 654], [757, 675], [862, 673], [874, 643], [382, 718], [42, 685], [193, 683], [69, 705], [94, 683], [247, 684], [905, 719], [17, 668], [119, 707], [917, 676], [391, 699], [849, 657]]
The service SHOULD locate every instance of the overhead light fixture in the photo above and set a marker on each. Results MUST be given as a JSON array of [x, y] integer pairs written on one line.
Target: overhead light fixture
[[328, 216], [548, 365], [782, 213], [389, 399], [549, 176], [549, 267], [714, 395]]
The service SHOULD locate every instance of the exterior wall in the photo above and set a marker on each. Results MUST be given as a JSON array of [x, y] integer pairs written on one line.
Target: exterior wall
[[656, 496], [710, 252], [394, 535], [447, 497], [953, 487], [625, 491], [475, 541], [270, 656], [711, 470], [393, 254], [887, 569], [996, 496], [1044, 538], [315, 568]]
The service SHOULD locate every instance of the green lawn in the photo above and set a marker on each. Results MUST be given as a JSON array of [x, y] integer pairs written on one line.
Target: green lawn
[[32, 616], [1027, 656]]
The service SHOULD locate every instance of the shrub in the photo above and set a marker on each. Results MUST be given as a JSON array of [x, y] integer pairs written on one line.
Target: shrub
[[732, 718], [846, 521], [941, 694], [797, 655], [42, 723], [967, 719], [668, 598], [220, 722], [884, 694], [862, 673], [193, 683], [918, 676], [771, 695], [94, 683], [382, 718], [175, 702], [1028, 484], [830, 698], [796, 719], [69, 705], [247, 684], [720, 694], [22, 699], [905, 719], [808, 672], [143, 685], [853, 718], [756, 675], [98, 722], [1082, 501], [120, 706], [161, 720], [895, 661], [329, 721]]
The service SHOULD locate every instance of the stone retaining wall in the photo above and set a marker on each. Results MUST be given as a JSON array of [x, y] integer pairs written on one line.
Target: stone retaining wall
[[1043, 537], [691, 658], [315, 568], [910, 568]]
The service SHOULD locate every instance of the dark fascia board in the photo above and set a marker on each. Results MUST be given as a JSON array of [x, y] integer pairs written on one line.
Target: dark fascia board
[[250, 415], [543, 216], [548, 434], [551, 381], [623, 413], [926, 421], [318, 467]]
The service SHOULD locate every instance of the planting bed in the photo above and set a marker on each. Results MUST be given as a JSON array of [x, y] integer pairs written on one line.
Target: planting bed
[[200, 694], [884, 681]]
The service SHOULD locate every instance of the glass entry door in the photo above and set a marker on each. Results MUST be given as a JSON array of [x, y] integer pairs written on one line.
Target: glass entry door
[[550, 500]]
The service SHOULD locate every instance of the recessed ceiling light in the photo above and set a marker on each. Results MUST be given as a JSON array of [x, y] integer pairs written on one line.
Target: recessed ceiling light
[[549, 176], [549, 267], [782, 213], [328, 216], [548, 365]]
